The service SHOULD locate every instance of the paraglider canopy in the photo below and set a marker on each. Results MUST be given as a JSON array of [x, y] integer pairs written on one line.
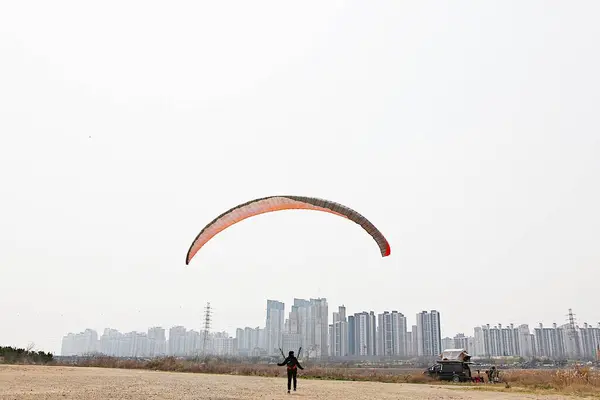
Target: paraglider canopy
[[277, 203]]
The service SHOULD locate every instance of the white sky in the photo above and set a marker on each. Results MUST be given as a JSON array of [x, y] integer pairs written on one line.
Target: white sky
[[467, 131]]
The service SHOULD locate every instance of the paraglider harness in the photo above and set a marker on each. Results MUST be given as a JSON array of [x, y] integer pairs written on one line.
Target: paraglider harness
[[291, 364]]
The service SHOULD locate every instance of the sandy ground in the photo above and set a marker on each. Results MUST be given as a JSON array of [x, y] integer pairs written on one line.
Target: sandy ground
[[36, 382]]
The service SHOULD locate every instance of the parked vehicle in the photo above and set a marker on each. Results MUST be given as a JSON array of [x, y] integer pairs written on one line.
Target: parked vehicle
[[450, 370]]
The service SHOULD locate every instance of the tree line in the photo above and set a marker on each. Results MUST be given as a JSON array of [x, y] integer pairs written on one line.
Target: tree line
[[9, 355]]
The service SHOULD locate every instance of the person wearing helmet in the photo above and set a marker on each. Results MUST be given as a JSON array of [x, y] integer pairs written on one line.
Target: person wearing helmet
[[292, 369]]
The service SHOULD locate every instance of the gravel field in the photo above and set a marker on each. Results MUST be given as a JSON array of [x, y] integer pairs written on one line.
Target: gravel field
[[37, 382]]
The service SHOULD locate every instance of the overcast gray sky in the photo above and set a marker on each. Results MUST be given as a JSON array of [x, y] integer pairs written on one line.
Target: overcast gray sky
[[467, 131]]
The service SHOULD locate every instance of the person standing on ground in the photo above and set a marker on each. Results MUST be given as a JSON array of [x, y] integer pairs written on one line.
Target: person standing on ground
[[292, 369]]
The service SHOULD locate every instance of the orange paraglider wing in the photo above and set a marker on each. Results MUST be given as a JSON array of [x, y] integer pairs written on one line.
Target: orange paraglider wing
[[278, 203]]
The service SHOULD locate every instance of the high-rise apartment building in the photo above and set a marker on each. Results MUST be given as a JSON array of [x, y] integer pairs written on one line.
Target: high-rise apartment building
[[240, 341], [502, 341], [460, 341], [274, 325], [550, 341], [429, 337], [291, 342], [555, 342], [176, 344], [414, 341], [157, 342], [399, 334], [499, 341], [524, 339], [479, 349], [590, 341], [301, 314], [372, 334], [85, 342], [338, 336], [319, 327], [110, 342], [221, 344], [312, 325], [384, 334], [447, 343], [292, 338], [250, 341], [365, 333], [194, 343], [351, 336], [153, 343]]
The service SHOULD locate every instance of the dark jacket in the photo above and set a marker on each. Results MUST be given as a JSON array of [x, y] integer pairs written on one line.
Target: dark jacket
[[291, 362]]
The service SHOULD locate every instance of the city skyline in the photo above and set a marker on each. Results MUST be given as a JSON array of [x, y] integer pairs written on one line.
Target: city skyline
[[562, 318], [358, 334]]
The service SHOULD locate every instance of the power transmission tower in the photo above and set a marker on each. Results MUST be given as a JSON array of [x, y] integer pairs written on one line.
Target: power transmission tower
[[573, 333], [207, 319]]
